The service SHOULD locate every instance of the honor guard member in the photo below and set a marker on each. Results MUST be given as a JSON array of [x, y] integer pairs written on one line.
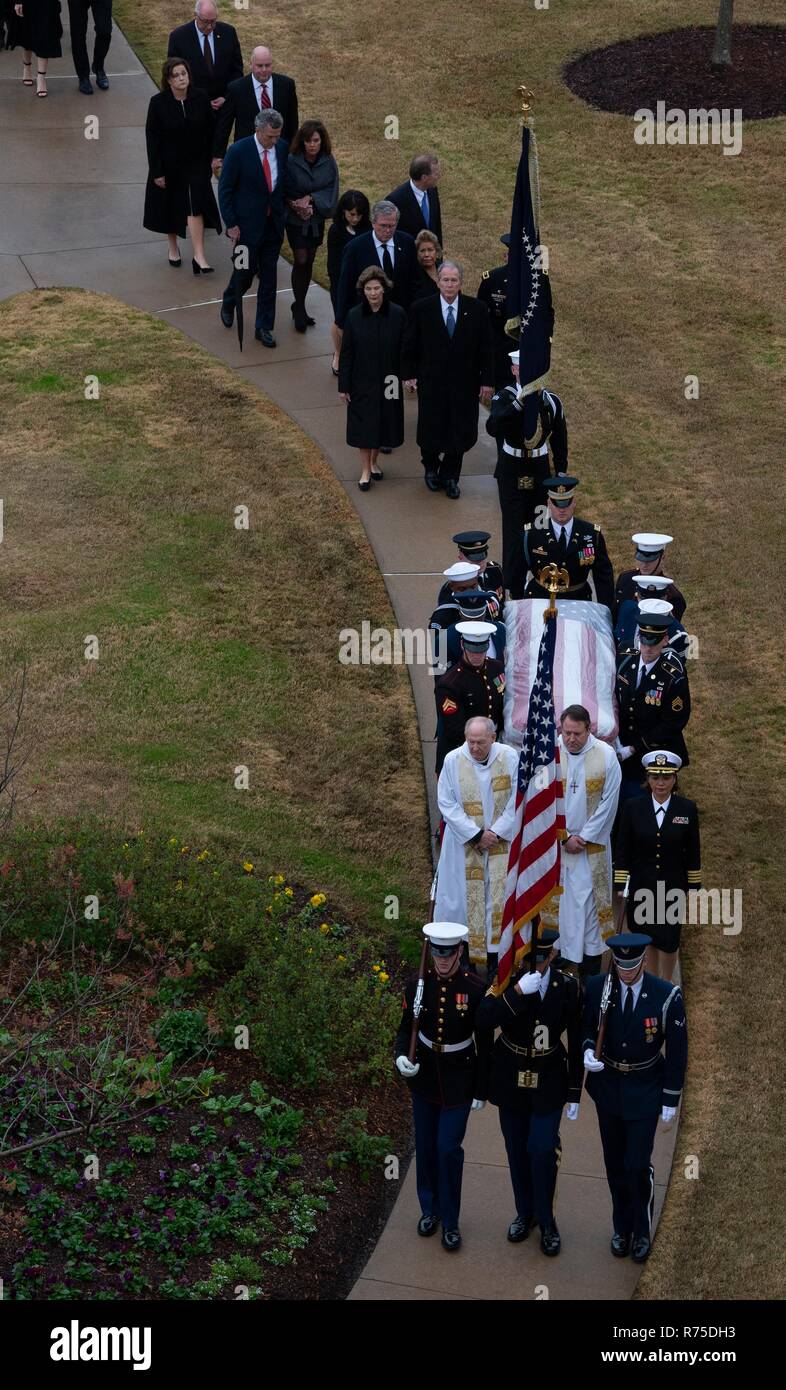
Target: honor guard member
[[493, 292], [658, 855], [523, 464], [473, 548], [459, 578], [632, 1083], [650, 549], [446, 1076], [475, 606], [475, 685], [626, 628], [531, 1076], [653, 700], [576, 546]]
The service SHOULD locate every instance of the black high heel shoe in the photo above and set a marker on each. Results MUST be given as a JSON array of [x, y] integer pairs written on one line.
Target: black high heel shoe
[[176, 264], [201, 269]]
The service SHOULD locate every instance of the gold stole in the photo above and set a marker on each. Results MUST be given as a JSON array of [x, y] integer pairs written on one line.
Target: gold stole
[[469, 787], [594, 781]]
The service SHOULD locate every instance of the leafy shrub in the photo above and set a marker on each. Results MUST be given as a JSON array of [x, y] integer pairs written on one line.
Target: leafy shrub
[[183, 1032], [368, 1151]]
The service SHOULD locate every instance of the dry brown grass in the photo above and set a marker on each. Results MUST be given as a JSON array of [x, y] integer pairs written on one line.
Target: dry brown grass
[[217, 647], [664, 262]]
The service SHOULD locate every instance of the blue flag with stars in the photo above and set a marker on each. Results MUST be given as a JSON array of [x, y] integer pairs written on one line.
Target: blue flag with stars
[[529, 303]]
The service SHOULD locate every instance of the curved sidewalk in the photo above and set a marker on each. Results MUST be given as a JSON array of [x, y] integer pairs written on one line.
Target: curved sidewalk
[[71, 216]]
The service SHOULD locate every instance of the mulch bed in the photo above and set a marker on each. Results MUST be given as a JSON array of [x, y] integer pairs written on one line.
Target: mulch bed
[[674, 67]]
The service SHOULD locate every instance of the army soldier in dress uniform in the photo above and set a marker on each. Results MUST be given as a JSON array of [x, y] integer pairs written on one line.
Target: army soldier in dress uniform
[[531, 1077], [574, 545], [658, 853], [473, 548], [632, 1083], [650, 549], [653, 701], [475, 685], [446, 1078], [493, 292], [523, 465]]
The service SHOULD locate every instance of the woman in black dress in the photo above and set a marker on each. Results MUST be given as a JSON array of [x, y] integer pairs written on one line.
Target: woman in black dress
[[369, 372], [352, 217], [39, 31], [179, 192], [429, 254], [312, 181]]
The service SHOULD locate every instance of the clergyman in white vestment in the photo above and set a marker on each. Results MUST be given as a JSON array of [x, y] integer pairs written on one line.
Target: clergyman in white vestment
[[591, 779], [476, 793]]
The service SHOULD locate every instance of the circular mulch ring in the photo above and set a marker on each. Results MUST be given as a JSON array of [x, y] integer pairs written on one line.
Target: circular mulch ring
[[675, 67]]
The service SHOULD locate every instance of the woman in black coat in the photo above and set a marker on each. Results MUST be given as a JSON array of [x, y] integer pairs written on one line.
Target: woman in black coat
[[179, 192], [312, 193], [352, 218], [39, 30], [369, 372], [429, 254]]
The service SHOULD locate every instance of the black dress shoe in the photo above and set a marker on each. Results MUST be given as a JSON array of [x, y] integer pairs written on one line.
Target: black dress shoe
[[452, 489], [519, 1229], [427, 1225], [102, 80], [377, 476], [641, 1249], [86, 86], [433, 482], [620, 1246], [299, 315], [386, 451], [227, 316], [550, 1240], [451, 1240], [311, 322], [176, 264], [364, 487], [263, 335]]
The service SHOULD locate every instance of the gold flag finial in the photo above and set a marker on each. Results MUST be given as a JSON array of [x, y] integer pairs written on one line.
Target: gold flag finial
[[526, 97], [556, 580]]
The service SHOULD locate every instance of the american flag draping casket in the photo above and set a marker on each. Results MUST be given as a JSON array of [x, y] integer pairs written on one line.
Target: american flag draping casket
[[584, 663]]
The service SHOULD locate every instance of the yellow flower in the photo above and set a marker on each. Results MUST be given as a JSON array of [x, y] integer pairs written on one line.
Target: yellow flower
[[276, 879], [383, 977], [248, 868], [125, 846], [268, 909], [323, 927], [289, 892], [184, 849], [205, 854], [173, 840], [178, 885], [375, 968], [317, 900], [342, 959]]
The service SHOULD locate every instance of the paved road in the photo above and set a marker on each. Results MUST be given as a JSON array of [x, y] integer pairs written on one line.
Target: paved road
[[72, 215]]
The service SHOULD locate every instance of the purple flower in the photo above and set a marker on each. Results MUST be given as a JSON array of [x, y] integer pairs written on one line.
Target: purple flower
[[162, 1174], [170, 1213], [195, 1168]]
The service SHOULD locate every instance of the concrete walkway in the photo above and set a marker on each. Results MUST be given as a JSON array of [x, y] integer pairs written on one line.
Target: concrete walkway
[[72, 215]]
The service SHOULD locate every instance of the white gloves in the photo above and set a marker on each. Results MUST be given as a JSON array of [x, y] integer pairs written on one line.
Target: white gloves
[[572, 1111], [591, 1062], [478, 1104], [667, 1114], [406, 1067], [529, 983]]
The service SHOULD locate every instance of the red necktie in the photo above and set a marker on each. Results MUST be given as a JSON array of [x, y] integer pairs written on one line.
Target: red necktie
[[265, 104], [268, 175]]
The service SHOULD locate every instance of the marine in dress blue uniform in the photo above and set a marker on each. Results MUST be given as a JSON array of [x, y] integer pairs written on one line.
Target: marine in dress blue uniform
[[447, 1076], [650, 550], [634, 1083], [531, 1076], [474, 686]]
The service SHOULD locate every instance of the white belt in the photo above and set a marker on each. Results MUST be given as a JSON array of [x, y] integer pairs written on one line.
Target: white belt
[[525, 453], [445, 1047]]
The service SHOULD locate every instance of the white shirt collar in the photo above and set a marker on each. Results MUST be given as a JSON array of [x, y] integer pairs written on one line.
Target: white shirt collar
[[544, 982], [419, 193], [380, 245], [201, 37], [446, 306], [258, 84], [636, 990], [559, 526], [660, 805]]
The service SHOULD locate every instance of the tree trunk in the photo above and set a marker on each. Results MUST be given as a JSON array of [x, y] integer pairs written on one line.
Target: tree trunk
[[721, 53]]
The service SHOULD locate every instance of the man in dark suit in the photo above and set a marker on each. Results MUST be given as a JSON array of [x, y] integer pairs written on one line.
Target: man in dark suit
[[448, 355], [418, 199], [102, 23], [212, 51], [262, 90], [251, 198], [384, 245]]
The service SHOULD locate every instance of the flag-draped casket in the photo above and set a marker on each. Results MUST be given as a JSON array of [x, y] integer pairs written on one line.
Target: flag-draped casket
[[584, 663]]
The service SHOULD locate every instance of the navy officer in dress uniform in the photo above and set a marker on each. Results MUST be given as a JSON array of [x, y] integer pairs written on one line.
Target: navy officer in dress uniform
[[650, 549], [658, 852], [649, 591], [475, 685], [531, 1076], [632, 1083], [574, 545], [459, 578], [525, 440], [473, 548], [446, 1078], [493, 292], [653, 701]]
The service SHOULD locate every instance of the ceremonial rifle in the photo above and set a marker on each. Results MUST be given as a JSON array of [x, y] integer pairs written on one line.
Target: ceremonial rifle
[[417, 1005], [611, 973]]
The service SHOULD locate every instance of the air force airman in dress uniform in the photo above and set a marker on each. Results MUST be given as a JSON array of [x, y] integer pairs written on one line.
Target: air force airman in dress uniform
[[653, 700], [531, 1077], [633, 1083], [445, 1077], [576, 546]]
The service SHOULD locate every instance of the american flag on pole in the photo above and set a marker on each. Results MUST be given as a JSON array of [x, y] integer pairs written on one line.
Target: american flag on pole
[[534, 858]]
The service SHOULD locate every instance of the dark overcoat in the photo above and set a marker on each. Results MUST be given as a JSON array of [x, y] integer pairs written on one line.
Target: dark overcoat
[[369, 371], [178, 135], [449, 371]]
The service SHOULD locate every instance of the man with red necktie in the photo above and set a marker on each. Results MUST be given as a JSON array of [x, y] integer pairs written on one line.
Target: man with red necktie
[[251, 196]]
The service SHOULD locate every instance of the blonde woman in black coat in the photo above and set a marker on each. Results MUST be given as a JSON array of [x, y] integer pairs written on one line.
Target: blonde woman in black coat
[[369, 373]]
